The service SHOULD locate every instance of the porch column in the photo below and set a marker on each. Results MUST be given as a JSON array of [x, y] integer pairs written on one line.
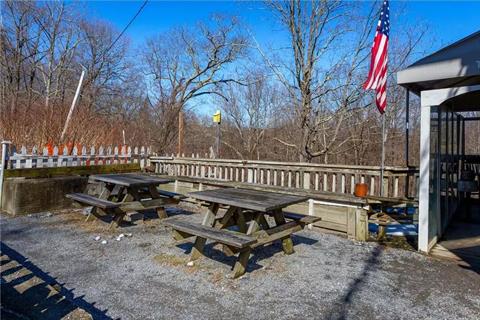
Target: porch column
[[424, 183]]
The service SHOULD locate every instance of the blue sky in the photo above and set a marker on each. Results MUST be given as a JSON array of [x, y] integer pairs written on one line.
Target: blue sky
[[448, 21]]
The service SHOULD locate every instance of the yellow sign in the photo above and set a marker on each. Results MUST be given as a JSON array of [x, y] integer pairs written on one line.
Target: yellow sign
[[217, 117]]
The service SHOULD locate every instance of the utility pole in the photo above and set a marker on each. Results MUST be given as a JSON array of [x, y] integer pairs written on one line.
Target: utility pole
[[180, 133], [74, 102]]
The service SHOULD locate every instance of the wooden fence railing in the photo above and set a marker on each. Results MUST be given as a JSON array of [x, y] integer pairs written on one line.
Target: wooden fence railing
[[75, 156], [397, 182]]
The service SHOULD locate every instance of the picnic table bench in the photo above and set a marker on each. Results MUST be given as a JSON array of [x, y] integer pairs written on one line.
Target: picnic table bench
[[124, 193], [247, 217]]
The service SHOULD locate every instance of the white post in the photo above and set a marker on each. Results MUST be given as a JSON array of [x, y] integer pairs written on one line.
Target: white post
[[3, 164], [74, 102], [424, 191], [311, 211]]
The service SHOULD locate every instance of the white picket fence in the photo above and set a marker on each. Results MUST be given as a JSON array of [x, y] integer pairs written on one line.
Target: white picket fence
[[84, 156]]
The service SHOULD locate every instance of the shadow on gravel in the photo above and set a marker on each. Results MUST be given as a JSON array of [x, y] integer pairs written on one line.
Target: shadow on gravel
[[257, 255], [340, 309], [37, 295]]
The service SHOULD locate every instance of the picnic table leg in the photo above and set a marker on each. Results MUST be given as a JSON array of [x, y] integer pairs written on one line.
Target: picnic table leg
[[116, 193], [162, 214], [208, 220], [242, 261], [117, 218], [241, 264], [105, 191], [381, 232], [255, 224], [91, 214], [226, 218], [263, 222], [241, 222], [287, 243]]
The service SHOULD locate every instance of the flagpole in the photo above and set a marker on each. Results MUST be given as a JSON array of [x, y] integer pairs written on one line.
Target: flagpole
[[382, 167]]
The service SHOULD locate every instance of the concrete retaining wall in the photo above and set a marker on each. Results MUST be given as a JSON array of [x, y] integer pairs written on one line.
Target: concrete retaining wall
[[23, 196]]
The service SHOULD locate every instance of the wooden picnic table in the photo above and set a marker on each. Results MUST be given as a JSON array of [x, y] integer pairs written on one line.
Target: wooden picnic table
[[123, 193], [125, 187], [250, 213]]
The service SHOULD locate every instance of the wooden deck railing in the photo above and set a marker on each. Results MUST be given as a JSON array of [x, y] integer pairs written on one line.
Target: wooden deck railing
[[79, 156], [397, 182]]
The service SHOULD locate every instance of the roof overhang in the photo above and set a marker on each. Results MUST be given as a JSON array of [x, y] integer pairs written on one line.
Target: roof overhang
[[456, 65], [461, 99]]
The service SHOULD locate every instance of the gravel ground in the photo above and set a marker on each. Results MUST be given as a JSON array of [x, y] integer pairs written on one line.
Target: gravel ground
[[145, 276]]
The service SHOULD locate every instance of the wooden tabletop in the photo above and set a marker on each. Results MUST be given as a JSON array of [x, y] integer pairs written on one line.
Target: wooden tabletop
[[130, 180], [257, 200]]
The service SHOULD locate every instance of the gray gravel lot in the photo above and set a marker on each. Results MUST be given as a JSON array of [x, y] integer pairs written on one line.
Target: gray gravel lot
[[145, 276]]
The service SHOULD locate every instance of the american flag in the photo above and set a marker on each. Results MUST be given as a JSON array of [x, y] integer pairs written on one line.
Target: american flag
[[377, 76]]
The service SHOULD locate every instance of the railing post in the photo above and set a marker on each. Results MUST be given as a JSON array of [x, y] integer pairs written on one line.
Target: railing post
[[306, 180], [250, 175], [5, 145], [395, 187], [384, 186]]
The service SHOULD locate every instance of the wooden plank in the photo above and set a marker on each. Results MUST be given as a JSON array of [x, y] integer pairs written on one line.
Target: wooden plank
[[331, 226], [145, 204], [71, 171], [208, 221], [351, 223], [241, 264], [256, 200], [276, 233], [228, 237], [130, 180], [361, 229], [92, 201], [226, 219], [301, 218], [287, 243], [170, 194]]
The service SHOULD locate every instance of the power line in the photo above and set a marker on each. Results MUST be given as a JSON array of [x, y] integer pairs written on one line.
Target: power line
[[128, 25]]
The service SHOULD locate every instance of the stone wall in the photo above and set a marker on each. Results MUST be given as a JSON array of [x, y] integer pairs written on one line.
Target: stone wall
[[23, 196]]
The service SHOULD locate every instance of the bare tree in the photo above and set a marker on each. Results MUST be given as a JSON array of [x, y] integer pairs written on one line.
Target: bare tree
[[185, 64], [323, 86], [248, 114]]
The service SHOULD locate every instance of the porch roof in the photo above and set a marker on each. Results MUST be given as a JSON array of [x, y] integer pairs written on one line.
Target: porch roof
[[456, 65]]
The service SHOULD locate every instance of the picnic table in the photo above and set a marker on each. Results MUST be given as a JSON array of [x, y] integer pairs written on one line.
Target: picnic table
[[246, 224], [120, 194]]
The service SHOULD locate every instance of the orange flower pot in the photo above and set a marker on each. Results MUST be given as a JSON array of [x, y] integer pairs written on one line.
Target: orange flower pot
[[361, 190]]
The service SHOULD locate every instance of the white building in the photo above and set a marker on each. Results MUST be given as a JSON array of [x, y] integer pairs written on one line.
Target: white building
[[448, 84]]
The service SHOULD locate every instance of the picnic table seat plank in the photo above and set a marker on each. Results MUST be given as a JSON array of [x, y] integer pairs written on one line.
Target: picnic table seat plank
[[302, 218], [262, 201], [169, 194], [146, 204], [225, 236], [93, 201]]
